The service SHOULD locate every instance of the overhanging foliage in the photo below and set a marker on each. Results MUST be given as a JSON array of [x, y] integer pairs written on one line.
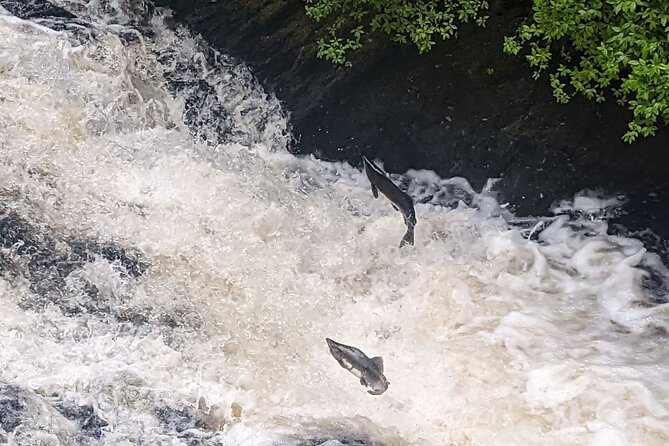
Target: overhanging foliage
[[591, 47]]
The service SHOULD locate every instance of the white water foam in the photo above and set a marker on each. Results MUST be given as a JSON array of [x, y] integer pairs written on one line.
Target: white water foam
[[490, 335]]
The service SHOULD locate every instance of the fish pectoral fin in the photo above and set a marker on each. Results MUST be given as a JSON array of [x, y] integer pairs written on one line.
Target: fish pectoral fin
[[395, 207], [363, 382], [375, 191], [378, 361]]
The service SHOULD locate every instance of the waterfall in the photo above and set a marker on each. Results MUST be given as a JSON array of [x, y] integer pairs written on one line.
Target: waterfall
[[170, 271]]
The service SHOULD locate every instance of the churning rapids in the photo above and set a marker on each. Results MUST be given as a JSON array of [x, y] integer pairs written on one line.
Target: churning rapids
[[170, 271]]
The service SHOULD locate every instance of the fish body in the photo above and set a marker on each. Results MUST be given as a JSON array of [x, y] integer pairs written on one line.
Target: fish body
[[400, 200], [368, 370]]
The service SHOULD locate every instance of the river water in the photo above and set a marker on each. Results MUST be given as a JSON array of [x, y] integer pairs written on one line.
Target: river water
[[170, 272]]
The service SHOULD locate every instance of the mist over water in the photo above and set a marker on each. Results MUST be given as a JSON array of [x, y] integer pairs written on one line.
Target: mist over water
[[170, 272]]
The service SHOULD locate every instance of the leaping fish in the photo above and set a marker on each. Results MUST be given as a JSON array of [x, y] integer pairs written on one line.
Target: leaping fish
[[370, 371], [401, 201]]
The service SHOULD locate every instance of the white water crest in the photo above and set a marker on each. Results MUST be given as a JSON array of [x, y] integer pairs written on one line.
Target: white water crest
[[170, 273]]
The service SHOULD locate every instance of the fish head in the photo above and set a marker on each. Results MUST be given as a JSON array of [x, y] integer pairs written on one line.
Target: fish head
[[371, 168], [336, 349], [379, 384]]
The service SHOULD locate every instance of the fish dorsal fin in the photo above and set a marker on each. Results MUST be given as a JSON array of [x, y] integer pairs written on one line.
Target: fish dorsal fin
[[378, 361]]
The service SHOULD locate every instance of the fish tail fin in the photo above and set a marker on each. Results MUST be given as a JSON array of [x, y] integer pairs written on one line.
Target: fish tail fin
[[408, 238]]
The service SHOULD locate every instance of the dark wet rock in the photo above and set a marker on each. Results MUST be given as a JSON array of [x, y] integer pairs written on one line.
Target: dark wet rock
[[12, 407], [55, 269], [28, 415], [435, 191], [50, 264], [656, 283], [50, 16], [203, 112], [134, 316], [125, 260], [129, 37], [85, 417], [59, 19], [354, 431], [32, 9], [89, 422], [340, 441], [181, 316], [181, 419], [192, 425], [531, 228], [464, 109]]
